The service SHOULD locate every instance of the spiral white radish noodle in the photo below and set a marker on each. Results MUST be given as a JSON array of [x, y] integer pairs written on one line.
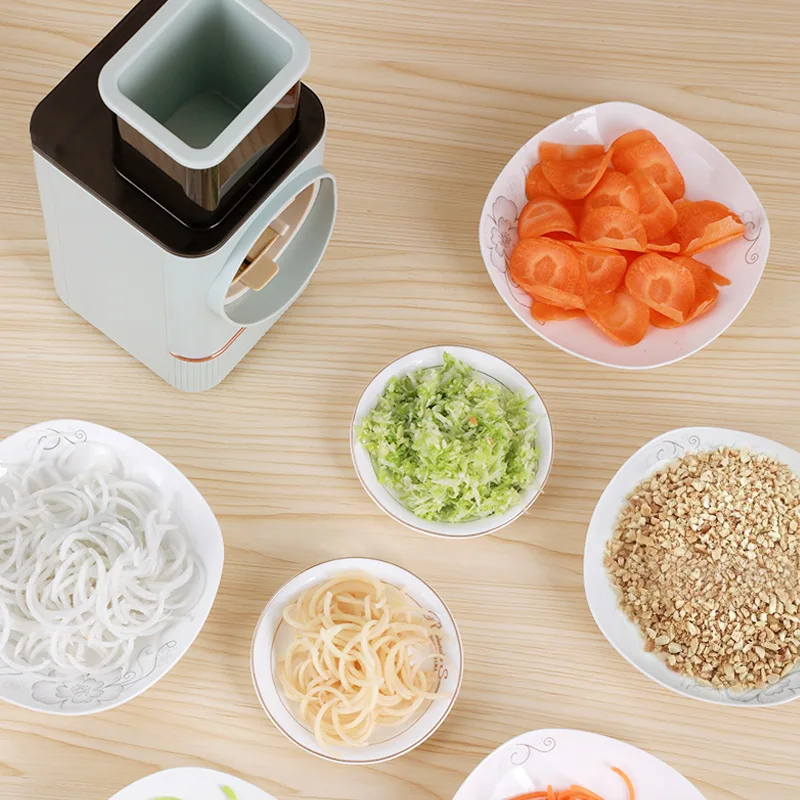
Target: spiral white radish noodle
[[90, 562]]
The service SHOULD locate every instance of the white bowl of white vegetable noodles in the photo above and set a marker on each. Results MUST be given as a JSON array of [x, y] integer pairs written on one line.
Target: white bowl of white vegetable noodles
[[452, 442], [110, 560]]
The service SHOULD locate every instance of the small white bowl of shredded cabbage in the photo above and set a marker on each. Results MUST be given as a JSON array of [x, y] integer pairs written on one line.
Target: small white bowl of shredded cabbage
[[452, 441]]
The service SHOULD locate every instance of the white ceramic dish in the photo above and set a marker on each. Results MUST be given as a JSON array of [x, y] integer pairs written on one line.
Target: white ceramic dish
[[709, 176], [623, 634], [190, 783], [490, 366], [154, 656], [272, 636], [560, 758]]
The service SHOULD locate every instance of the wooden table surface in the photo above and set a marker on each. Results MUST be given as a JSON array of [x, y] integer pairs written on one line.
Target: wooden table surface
[[427, 99]]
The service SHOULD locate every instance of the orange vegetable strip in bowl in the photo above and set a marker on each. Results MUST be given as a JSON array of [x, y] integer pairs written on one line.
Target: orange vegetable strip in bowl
[[631, 138], [716, 234], [652, 157], [613, 189], [703, 224], [720, 280], [604, 267], [575, 792], [575, 178], [656, 212], [582, 793], [531, 796], [663, 244], [536, 184], [628, 782], [543, 215], [549, 271], [613, 226], [541, 260], [702, 308], [545, 312], [553, 296], [660, 321], [662, 284], [575, 207], [705, 291], [620, 317], [555, 151]]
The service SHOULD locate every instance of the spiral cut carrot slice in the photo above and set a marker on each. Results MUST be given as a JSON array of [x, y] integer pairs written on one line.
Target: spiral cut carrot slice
[[703, 224], [662, 284], [537, 185], [657, 214], [654, 159], [575, 178], [544, 215], [603, 267], [613, 189], [705, 292], [612, 226], [663, 244], [719, 280], [620, 316], [660, 321], [549, 271], [631, 138], [544, 312], [555, 151]]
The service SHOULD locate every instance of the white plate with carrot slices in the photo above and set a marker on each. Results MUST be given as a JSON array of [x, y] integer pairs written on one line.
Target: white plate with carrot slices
[[623, 237], [573, 765]]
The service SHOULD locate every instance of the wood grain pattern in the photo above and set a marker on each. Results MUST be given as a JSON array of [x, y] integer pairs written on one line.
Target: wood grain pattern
[[426, 101]]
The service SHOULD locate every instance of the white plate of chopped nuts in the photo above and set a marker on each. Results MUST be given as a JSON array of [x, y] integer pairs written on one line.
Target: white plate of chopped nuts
[[692, 565]]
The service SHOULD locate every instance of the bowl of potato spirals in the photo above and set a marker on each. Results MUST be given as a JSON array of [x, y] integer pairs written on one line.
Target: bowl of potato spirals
[[357, 661]]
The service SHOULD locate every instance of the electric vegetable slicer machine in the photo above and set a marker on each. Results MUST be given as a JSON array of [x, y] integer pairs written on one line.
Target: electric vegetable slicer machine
[[180, 169]]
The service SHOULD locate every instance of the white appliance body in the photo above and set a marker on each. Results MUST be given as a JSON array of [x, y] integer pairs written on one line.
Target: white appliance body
[[168, 311]]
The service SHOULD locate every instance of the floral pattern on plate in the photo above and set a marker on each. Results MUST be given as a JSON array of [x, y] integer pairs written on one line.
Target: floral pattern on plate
[[532, 761], [503, 238], [503, 233], [97, 691]]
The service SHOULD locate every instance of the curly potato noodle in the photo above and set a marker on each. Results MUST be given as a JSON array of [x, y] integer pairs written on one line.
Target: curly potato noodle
[[364, 655], [90, 562]]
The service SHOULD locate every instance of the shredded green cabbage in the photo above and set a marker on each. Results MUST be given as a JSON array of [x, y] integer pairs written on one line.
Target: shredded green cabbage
[[451, 445]]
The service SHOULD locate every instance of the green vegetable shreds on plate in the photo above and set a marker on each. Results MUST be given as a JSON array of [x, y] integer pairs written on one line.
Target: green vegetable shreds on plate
[[452, 445]]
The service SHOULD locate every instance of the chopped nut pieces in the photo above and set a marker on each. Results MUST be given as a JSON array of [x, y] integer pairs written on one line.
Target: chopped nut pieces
[[706, 559]]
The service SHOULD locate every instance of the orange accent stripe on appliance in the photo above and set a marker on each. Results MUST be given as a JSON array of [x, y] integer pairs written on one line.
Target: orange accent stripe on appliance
[[217, 354]]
